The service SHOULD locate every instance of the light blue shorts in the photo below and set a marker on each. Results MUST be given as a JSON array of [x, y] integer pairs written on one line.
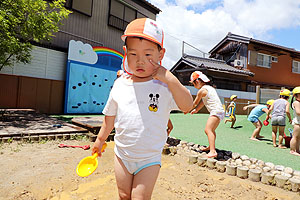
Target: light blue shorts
[[136, 167]]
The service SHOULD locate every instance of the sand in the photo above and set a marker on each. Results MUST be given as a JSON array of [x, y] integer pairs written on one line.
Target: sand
[[44, 171]]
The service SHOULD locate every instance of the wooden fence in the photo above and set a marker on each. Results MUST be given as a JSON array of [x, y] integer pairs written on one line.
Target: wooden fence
[[43, 95]]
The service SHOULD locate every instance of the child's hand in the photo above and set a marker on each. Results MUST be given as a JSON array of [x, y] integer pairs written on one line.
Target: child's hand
[[97, 146], [245, 108], [160, 73], [193, 111]]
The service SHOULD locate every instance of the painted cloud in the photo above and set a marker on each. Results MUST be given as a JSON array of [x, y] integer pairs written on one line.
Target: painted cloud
[[81, 52]]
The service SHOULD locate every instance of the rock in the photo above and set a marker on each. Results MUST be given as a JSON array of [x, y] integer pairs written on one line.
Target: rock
[[269, 164], [242, 172], [173, 150], [190, 144], [253, 160], [286, 175], [227, 157], [230, 169], [260, 163], [196, 146], [220, 165], [254, 175], [296, 173], [211, 163], [238, 162], [288, 170], [202, 161], [295, 183], [280, 180], [279, 168], [266, 169], [252, 166], [267, 178], [244, 157], [193, 159], [247, 163], [183, 143], [235, 156], [275, 172], [166, 150]]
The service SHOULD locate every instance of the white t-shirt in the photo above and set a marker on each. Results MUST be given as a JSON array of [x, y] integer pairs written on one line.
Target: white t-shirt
[[296, 119], [142, 111], [212, 101]]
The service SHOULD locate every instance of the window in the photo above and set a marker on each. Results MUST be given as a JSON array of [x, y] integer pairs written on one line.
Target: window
[[84, 7], [296, 67], [263, 60], [121, 13]]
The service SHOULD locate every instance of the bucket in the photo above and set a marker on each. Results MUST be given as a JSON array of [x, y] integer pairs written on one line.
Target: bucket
[[287, 140]]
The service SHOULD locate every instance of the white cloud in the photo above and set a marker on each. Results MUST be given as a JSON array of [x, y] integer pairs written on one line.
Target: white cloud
[[203, 30], [82, 52]]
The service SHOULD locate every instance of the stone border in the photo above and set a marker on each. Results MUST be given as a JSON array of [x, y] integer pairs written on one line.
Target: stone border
[[238, 165]]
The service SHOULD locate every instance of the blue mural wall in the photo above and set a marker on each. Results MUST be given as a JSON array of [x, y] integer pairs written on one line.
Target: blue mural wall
[[91, 72]]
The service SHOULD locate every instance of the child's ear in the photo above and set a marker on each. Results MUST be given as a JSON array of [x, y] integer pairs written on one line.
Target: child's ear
[[162, 53]]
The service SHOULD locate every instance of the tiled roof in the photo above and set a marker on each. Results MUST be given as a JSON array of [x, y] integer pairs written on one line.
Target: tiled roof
[[243, 39], [214, 64]]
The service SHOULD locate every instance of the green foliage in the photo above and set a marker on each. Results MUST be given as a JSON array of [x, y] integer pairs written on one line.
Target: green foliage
[[23, 21]]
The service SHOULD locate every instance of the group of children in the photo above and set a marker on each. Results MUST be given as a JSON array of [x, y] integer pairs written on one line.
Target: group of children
[[139, 107], [280, 108]]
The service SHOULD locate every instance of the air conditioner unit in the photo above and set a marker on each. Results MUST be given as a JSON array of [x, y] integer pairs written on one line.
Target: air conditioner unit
[[238, 63]]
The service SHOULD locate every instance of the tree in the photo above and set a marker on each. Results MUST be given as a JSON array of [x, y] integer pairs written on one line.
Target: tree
[[25, 21]]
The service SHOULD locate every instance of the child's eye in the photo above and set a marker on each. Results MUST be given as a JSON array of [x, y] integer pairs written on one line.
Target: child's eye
[[148, 54], [132, 54]]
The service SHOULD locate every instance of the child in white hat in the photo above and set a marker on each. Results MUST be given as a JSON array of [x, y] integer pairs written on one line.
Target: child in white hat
[[207, 96], [139, 107]]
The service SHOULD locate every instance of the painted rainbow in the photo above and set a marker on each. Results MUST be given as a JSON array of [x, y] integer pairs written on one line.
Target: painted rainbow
[[105, 51]]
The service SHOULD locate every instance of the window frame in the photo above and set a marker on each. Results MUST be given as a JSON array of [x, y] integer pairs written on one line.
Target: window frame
[[298, 66], [122, 21], [257, 62]]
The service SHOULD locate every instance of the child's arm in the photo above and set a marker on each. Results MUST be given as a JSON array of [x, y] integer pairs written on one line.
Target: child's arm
[[181, 94], [170, 127], [268, 111], [287, 110], [106, 128], [198, 104], [297, 107], [250, 106]]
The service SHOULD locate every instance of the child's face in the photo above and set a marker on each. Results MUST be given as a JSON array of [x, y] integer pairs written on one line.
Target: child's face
[[139, 52]]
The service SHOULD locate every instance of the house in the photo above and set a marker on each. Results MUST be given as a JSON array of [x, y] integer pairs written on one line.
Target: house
[[274, 66], [41, 84], [227, 79]]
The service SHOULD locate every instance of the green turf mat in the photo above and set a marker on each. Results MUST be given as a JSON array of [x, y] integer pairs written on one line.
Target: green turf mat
[[191, 128]]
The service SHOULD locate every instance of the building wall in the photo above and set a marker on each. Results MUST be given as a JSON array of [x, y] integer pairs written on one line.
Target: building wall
[[280, 73], [94, 29], [45, 63]]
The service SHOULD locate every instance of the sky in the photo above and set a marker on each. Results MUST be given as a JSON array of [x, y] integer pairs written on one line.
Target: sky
[[204, 23]]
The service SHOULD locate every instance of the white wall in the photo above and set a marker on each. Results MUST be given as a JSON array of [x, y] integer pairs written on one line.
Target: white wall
[[45, 63]]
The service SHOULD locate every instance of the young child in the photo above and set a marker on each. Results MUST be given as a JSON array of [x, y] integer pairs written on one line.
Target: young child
[[207, 96], [254, 115], [138, 107], [280, 108], [295, 141], [230, 111], [120, 73]]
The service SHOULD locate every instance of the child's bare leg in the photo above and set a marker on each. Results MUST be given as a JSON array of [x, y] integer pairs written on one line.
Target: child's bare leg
[[124, 179], [280, 137], [274, 133], [144, 181], [255, 134], [211, 125], [233, 122], [295, 141]]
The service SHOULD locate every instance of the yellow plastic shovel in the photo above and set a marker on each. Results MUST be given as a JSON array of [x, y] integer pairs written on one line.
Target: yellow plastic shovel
[[88, 164]]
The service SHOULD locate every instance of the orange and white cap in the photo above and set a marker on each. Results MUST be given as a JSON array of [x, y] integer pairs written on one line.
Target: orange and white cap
[[197, 74], [145, 28]]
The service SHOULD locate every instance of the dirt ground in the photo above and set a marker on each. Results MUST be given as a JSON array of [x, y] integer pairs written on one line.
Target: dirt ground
[[44, 171]]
